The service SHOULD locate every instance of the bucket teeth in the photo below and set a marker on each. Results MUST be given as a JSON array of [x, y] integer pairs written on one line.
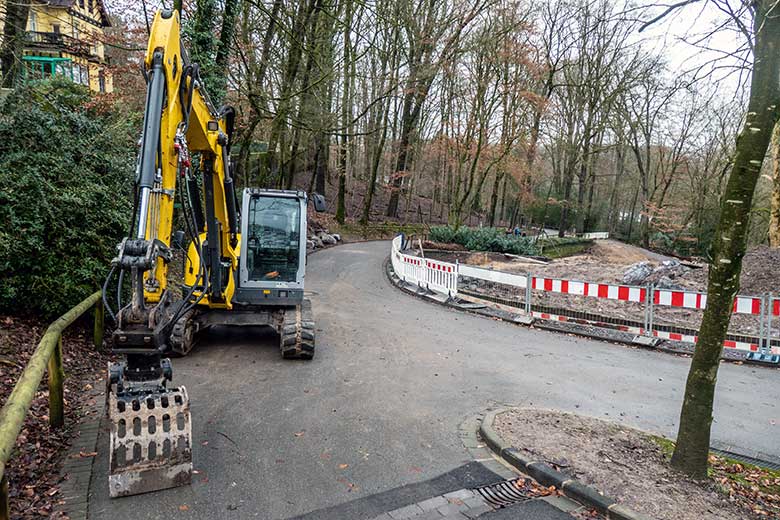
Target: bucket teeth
[[150, 442]]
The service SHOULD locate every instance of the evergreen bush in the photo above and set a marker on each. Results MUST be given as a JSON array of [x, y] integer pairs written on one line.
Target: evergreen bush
[[67, 166]]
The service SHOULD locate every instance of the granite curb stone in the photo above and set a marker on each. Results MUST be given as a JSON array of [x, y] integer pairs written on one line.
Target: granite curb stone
[[572, 488]]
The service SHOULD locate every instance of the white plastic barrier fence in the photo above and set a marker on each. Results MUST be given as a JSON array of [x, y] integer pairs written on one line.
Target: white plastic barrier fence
[[597, 235], [515, 280], [442, 277]]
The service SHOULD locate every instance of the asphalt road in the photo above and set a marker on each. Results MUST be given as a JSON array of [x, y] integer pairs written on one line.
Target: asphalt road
[[379, 406]]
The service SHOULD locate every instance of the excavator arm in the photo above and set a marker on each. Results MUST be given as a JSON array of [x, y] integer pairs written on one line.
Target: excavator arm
[[150, 435], [180, 120]]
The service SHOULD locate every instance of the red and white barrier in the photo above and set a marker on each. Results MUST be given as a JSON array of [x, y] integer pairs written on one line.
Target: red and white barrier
[[672, 336], [694, 300], [442, 277], [625, 293]]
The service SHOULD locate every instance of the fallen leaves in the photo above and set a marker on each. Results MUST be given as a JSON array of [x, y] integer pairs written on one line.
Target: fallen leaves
[[300, 433], [34, 470], [184, 507], [754, 488]]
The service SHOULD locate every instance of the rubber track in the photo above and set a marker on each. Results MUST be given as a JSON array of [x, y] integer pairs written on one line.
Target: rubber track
[[296, 340], [177, 335]]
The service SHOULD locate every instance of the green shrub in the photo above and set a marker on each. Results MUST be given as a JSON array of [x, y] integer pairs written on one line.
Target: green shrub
[[67, 166], [484, 239], [497, 241]]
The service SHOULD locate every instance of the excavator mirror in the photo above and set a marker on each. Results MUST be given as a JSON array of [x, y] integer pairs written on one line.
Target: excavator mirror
[[178, 239], [319, 202]]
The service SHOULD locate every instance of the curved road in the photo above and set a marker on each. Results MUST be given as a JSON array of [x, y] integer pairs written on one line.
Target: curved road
[[380, 405]]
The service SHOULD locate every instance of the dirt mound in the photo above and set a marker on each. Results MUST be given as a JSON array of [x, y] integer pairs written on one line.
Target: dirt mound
[[760, 273]]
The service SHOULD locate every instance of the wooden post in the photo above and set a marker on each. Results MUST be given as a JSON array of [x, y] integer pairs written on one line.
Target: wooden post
[[56, 390], [100, 314], [5, 513]]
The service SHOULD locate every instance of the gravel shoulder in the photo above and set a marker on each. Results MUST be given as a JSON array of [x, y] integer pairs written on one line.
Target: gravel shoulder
[[622, 462]]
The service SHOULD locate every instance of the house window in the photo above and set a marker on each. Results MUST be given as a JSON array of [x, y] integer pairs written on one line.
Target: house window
[[33, 21], [64, 69], [55, 27], [81, 4], [91, 5], [102, 81]]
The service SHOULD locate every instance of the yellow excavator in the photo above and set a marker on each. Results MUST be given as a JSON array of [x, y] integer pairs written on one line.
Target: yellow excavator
[[242, 267]]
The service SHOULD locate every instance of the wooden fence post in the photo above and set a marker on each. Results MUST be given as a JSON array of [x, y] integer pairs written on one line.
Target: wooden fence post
[[100, 314], [5, 507], [56, 390]]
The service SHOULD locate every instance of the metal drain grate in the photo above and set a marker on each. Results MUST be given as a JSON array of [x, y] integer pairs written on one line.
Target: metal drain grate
[[504, 493], [746, 459]]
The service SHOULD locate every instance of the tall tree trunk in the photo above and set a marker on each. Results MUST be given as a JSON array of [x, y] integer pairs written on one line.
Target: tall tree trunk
[[346, 116], [613, 216], [494, 199], [693, 437], [377, 159], [502, 213], [16, 14], [563, 225], [774, 215], [229, 15], [203, 40], [632, 217]]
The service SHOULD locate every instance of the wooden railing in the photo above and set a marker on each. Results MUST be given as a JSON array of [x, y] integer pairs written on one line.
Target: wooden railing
[[47, 357]]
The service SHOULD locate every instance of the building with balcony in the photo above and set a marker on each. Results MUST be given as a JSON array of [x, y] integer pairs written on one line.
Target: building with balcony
[[66, 38]]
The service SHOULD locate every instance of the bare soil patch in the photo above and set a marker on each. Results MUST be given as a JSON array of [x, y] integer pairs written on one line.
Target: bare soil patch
[[33, 471], [629, 466]]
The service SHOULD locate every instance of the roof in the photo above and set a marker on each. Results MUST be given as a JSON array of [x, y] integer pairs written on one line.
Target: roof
[[67, 4]]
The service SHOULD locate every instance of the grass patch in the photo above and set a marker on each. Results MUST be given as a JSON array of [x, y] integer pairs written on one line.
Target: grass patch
[[756, 487], [386, 230]]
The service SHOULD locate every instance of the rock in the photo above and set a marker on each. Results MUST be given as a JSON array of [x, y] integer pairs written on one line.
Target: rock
[[668, 270], [665, 282], [327, 239], [317, 241], [337, 237], [637, 273], [311, 244]]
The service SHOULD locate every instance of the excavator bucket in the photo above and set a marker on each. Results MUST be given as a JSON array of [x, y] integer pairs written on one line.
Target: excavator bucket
[[151, 442]]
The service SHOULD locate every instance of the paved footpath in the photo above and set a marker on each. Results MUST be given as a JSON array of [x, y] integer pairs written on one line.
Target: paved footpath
[[371, 424]]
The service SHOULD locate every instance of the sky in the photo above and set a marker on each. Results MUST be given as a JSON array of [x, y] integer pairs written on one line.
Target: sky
[[691, 41]]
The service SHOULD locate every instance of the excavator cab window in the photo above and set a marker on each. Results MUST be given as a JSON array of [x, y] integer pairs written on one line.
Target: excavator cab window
[[273, 243]]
